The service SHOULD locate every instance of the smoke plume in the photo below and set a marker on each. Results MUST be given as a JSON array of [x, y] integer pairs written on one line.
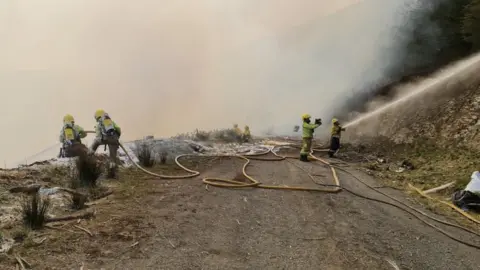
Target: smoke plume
[[165, 67]]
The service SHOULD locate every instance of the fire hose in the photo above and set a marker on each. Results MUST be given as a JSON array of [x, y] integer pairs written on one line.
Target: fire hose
[[227, 183], [253, 183]]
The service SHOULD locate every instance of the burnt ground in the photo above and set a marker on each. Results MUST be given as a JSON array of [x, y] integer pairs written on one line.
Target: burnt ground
[[180, 224]]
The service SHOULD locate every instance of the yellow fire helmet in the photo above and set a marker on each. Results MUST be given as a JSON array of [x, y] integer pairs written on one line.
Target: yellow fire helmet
[[334, 120], [99, 113], [68, 118], [306, 116]]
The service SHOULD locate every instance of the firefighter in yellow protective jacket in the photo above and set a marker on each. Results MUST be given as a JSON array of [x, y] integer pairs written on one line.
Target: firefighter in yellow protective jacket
[[238, 132], [336, 133], [307, 136], [107, 133], [246, 136], [71, 137]]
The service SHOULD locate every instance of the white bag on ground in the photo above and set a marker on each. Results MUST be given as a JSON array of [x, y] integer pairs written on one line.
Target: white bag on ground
[[474, 184]]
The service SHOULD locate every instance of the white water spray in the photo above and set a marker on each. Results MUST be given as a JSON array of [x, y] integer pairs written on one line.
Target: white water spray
[[429, 84]]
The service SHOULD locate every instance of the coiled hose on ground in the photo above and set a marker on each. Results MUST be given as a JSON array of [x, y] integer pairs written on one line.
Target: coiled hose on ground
[[228, 183]]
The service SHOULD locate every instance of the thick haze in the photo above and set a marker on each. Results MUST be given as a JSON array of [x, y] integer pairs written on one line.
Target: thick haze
[[164, 67]]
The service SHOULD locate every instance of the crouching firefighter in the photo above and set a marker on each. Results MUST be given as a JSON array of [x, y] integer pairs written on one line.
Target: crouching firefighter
[[70, 137], [336, 133], [307, 136], [107, 133]]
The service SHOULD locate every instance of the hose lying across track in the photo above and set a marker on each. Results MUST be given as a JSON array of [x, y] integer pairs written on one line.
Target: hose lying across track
[[228, 183]]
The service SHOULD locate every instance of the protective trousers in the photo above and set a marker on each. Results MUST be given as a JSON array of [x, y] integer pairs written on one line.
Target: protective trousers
[[334, 145], [306, 148], [113, 145]]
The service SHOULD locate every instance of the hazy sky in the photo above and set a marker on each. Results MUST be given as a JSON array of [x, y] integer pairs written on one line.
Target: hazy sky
[[168, 66]]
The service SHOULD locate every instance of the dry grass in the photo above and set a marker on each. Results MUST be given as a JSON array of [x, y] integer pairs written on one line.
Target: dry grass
[[56, 175], [86, 173], [163, 157], [83, 176], [221, 135], [433, 165], [132, 183], [144, 154], [89, 170], [202, 135], [78, 202], [443, 210], [34, 211], [227, 135]]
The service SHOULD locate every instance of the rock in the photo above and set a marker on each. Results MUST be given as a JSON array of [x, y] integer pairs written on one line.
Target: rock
[[407, 165], [6, 244], [107, 253]]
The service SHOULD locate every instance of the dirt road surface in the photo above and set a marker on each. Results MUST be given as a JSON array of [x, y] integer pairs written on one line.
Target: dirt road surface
[[179, 224]]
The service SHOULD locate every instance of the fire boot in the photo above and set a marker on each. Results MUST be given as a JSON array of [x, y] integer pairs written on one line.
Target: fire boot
[[112, 170], [304, 158]]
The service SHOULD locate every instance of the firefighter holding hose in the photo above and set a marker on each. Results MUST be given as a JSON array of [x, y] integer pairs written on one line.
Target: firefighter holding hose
[[246, 136], [336, 133], [238, 133], [307, 136], [71, 137], [107, 133]]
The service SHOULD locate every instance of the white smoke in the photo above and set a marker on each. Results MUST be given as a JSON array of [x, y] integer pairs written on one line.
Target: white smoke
[[165, 67]]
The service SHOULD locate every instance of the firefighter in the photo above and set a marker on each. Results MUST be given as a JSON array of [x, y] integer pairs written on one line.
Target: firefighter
[[246, 134], [71, 137], [307, 136], [336, 133], [107, 133], [238, 133]]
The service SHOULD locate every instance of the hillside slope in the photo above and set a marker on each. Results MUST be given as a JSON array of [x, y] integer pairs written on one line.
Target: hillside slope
[[446, 115]]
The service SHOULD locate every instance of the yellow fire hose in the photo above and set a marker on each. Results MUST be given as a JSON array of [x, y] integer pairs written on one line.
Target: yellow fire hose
[[445, 203], [228, 183]]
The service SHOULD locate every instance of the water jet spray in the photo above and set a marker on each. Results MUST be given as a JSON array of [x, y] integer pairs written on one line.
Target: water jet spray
[[428, 84]]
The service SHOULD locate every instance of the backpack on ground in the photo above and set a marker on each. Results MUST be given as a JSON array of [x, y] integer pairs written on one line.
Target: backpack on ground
[[466, 200]]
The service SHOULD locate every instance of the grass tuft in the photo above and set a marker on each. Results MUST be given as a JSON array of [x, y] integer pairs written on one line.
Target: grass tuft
[[227, 135], [144, 155], [34, 210], [78, 201], [86, 173]]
